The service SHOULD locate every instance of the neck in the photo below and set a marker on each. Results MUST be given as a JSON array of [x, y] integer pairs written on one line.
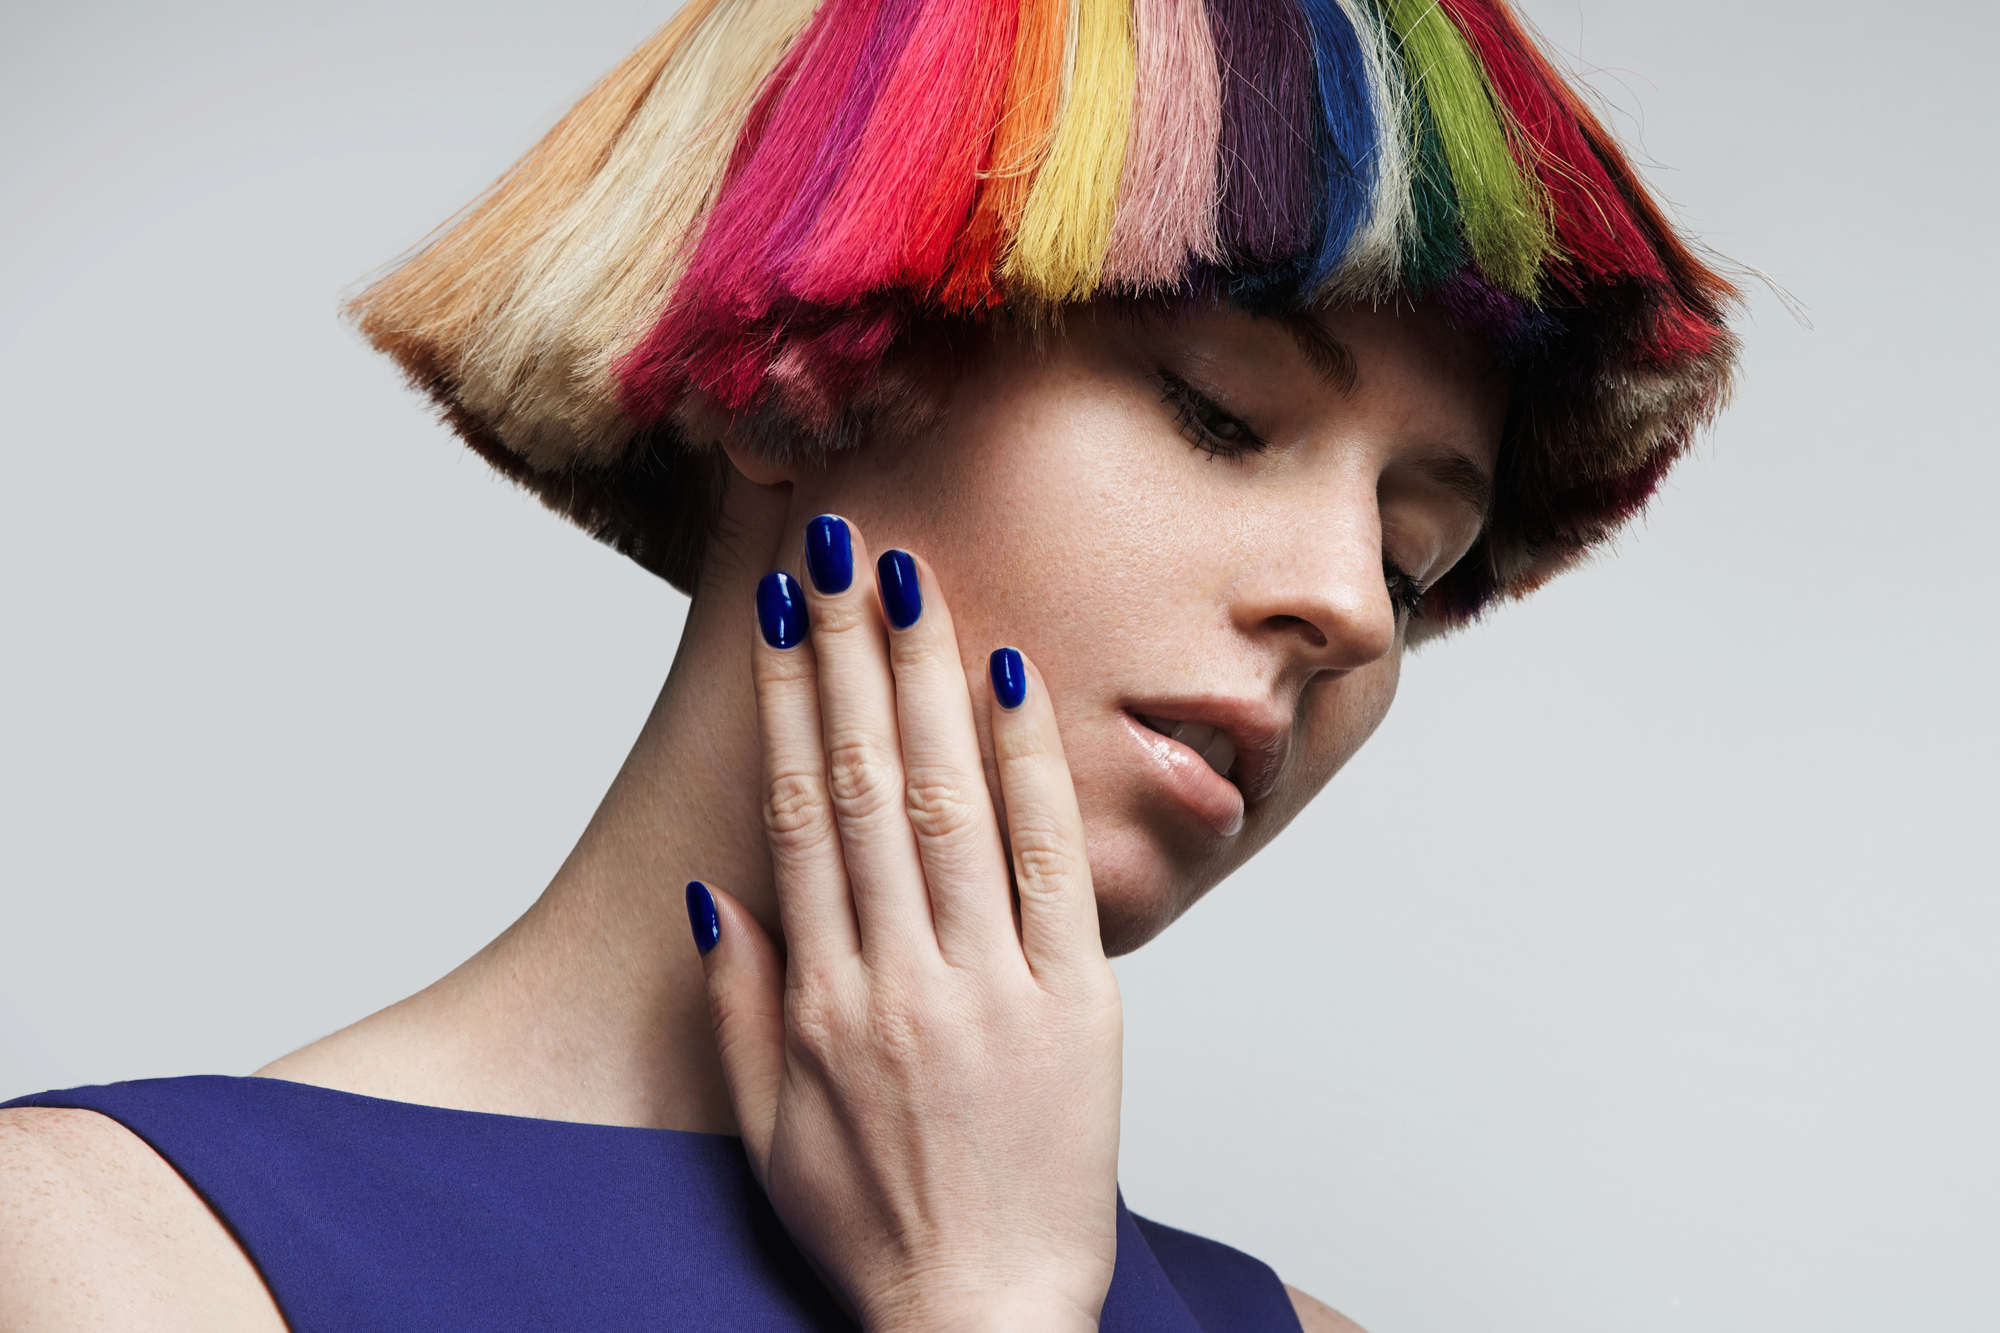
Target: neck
[[592, 1006]]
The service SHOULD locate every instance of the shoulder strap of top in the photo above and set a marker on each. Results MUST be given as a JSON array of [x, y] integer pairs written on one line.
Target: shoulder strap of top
[[367, 1215], [374, 1216], [1226, 1290]]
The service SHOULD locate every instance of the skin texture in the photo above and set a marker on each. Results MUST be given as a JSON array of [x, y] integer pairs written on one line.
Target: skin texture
[[97, 1232], [1138, 575], [928, 1093], [1064, 508]]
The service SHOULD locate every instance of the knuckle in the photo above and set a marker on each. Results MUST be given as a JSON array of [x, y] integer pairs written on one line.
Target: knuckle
[[891, 1030], [784, 673], [898, 1032], [939, 807], [1023, 747], [922, 650], [860, 775], [1045, 861], [816, 1023], [795, 809], [1045, 874], [811, 1037], [838, 617]]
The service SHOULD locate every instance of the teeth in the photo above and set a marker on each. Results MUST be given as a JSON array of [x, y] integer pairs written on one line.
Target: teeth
[[1194, 735], [1215, 748]]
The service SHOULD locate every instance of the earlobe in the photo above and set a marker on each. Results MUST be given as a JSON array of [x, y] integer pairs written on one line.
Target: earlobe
[[703, 427], [755, 467]]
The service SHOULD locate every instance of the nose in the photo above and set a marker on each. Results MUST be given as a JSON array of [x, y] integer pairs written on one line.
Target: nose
[[1318, 594]]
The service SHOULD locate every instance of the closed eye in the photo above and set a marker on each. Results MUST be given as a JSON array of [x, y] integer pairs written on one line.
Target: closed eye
[[1405, 593], [1203, 423]]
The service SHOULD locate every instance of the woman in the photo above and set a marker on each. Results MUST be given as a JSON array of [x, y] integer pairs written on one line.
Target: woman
[[1063, 418]]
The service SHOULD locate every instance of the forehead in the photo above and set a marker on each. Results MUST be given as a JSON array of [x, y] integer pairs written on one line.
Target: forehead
[[1393, 361], [1417, 336], [1414, 356], [1401, 364]]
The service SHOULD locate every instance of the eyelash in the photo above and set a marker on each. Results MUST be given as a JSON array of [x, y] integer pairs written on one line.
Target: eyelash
[[1197, 417], [1405, 593]]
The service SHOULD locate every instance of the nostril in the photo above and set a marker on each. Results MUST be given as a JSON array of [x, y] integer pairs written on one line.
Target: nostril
[[1313, 633]]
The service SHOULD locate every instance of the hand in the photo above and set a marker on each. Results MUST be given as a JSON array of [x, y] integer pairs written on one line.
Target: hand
[[926, 1086]]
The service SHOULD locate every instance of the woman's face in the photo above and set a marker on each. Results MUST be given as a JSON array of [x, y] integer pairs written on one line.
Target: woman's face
[[1201, 527]]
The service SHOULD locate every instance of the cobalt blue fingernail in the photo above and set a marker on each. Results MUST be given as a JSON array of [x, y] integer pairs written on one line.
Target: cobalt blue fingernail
[[701, 915], [829, 553], [901, 597], [781, 610], [1010, 677]]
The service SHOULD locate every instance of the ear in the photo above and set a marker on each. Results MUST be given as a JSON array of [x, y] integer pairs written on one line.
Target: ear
[[756, 468], [704, 427]]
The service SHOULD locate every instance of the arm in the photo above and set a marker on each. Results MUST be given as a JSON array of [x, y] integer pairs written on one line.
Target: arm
[[1319, 1317], [97, 1231]]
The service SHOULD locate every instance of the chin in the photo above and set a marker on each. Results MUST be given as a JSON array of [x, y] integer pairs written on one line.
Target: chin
[[1142, 888]]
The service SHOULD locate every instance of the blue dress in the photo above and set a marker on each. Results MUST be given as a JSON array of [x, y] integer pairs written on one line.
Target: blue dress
[[367, 1216]]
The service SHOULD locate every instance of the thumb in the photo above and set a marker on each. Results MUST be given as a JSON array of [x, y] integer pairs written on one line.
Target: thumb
[[746, 1002]]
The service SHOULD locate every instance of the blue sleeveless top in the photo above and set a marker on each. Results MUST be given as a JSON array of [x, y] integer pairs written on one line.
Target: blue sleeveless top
[[366, 1216]]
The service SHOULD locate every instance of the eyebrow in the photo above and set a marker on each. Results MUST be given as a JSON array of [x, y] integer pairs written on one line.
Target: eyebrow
[[1463, 478], [1329, 357], [1326, 354]]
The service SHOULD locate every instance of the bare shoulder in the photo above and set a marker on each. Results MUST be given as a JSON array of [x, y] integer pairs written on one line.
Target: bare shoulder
[[1318, 1316], [98, 1232]]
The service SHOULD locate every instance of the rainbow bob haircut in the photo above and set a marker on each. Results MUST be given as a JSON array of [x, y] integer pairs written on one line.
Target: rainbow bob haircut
[[772, 205]]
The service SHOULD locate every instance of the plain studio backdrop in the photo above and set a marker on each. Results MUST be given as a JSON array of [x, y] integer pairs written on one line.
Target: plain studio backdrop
[[1643, 973]]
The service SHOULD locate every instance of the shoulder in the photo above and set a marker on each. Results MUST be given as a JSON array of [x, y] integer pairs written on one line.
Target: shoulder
[[98, 1231], [1319, 1317]]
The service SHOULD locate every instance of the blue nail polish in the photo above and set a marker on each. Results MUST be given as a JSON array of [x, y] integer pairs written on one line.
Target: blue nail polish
[[781, 610], [701, 915], [901, 597], [1010, 677], [829, 553]]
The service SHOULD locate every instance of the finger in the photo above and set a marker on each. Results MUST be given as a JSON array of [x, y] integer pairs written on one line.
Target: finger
[[746, 982], [813, 903], [864, 764], [945, 796], [1044, 829]]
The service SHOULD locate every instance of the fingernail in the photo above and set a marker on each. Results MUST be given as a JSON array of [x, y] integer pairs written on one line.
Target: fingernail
[[781, 610], [1010, 677], [901, 597], [701, 916], [829, 553]]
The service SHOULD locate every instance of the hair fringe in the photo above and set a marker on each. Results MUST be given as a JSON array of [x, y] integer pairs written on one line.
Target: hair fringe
[[426, 312], [1504, 214], [1165, 214], [759, 214], [1021, 139], [1065, 226]]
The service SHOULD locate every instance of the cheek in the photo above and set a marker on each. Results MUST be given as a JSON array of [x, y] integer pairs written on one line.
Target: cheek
[[1040, 516]]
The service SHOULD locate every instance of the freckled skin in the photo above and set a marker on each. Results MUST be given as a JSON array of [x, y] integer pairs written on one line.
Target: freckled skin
[[1067, 510], [1067, 514]]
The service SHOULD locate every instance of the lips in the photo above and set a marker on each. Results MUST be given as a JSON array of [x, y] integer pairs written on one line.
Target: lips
[[1212, 744], [1245, 741]]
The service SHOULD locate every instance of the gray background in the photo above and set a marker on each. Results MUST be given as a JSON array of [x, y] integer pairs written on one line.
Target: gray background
[[1639, 976]]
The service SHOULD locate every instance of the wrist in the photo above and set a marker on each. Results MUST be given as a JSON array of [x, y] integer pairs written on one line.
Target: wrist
[[1000, 1310]]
